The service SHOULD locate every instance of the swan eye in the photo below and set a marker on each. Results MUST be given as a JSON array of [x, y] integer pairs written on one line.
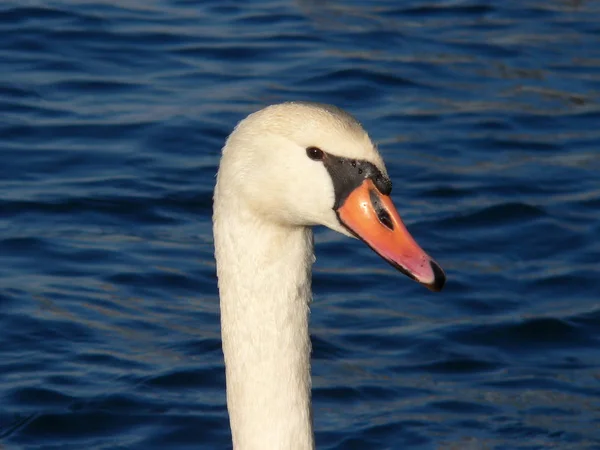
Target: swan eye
[[314, 153]]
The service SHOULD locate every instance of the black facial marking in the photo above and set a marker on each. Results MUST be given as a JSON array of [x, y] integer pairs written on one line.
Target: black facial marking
[[348, 174], [382, 214]]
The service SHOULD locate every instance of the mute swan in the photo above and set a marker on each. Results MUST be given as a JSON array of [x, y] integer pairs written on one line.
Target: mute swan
[[284, 169]]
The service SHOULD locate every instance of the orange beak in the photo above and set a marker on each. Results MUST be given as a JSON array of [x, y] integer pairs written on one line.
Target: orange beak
[[372, 217]]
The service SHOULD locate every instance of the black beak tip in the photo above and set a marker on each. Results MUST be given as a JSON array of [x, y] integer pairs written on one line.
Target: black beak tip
[[439, 277]]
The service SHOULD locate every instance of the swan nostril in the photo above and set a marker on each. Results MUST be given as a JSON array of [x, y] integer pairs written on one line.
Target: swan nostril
[[385, 219], [382, 214]]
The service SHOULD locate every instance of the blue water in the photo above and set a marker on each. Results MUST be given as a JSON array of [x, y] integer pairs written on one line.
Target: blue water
[[112, 116]]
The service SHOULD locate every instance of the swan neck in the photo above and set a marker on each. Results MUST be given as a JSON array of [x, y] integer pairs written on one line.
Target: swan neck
[[264, 273]]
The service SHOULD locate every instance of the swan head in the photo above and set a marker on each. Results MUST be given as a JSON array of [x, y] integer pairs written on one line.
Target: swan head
[[301, 164]]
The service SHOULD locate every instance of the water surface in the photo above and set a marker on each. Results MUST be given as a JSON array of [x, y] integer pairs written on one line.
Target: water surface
[[112, 119]]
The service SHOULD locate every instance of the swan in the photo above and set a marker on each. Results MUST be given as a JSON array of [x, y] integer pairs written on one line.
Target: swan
[[284, 169]]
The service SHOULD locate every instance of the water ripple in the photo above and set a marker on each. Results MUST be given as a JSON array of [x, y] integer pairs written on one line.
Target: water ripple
[[114, 114]]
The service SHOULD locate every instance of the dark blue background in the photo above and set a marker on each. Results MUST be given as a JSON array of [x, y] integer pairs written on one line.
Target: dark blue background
[[112, 115]]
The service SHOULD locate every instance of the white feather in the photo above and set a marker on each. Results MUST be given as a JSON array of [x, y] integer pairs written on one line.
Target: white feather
[[267, 196]]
